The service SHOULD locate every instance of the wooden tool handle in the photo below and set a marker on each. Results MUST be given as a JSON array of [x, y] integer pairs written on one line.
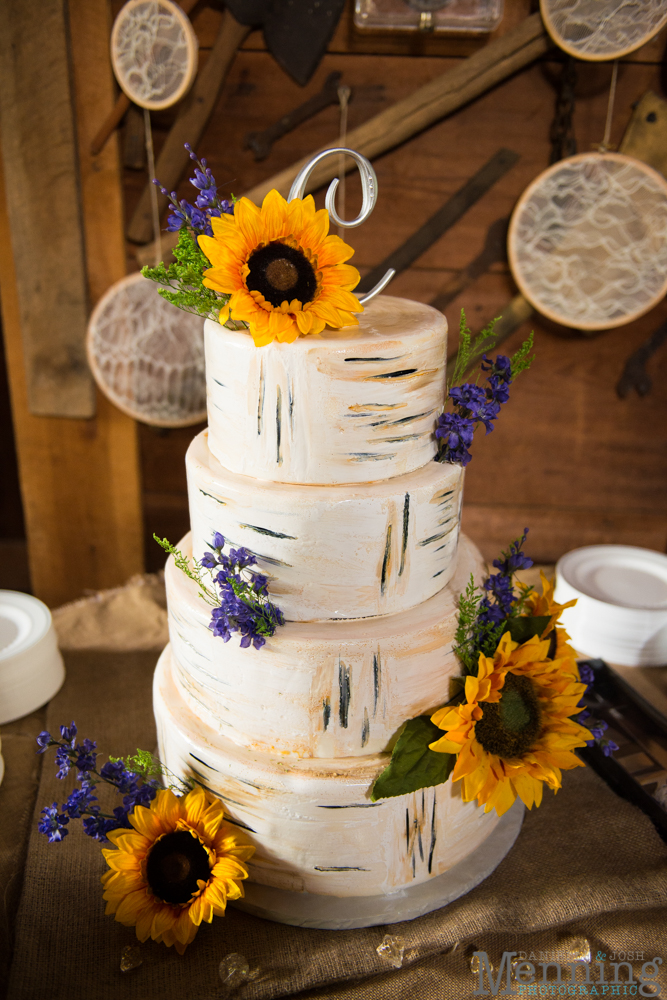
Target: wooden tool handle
[[117, 113], [190, 123]]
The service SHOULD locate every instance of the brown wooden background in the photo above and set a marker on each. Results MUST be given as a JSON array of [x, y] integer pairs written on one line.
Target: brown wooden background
[[568, 458]]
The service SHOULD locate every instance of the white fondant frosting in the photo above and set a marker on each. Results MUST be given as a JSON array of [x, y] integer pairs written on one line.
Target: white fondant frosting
[[317, 689], [333, 551], [348, 406], [312, 821]]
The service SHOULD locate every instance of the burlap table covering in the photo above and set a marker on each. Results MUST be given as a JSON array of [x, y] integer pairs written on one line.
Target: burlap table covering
[[586, 865]]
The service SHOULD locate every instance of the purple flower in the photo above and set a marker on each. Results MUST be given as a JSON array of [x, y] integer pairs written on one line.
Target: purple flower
[[587, 675], [63, 762], [86, 759], [68, 733], [208, 560], [44, 741], [80, 800], [468, 397], [218, 541], [53, 823], [207, 204], [97, 826], [456, 433], [514, 558], [608, 747]]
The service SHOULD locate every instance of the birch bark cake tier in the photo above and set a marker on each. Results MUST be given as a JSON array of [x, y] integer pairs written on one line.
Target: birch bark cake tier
[[347, 406], [334, 551], [317, 689], [313, 824]]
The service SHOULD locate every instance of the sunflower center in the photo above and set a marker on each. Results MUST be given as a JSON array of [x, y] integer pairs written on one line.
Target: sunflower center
[[509, 727], [280, 272], [175, 863]]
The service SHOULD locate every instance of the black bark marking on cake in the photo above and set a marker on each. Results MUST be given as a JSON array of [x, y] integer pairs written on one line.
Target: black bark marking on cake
[[365, 729], [290, 405], [237, 822], [343, 694], [432, 847], [399, 374], [438, 573], [419, 841], [441, 496], [414, 864], [221, 384], [401, 420], [386, 562], [194, 757], [342, 868], [407, 829], [369, 456], [326, 712], [396, 358], [355, 805], [434, 538], [260, 398], [377, 680], [268, 531], [441, 547], [279, 420], [406, 528], [446, 521], [223, 502]]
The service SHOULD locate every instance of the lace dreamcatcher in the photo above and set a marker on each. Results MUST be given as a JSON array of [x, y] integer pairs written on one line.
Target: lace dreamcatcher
[[587, 242], [146, 355]]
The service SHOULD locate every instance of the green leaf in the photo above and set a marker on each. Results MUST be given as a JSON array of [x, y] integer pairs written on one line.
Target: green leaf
[[524, 628], [523, 359], [413, 765]]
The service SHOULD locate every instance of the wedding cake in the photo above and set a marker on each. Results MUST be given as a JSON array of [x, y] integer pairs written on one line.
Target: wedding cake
[[319, 460]]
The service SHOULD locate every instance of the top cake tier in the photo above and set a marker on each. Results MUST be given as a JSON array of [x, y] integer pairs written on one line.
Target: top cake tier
[[348, 406]]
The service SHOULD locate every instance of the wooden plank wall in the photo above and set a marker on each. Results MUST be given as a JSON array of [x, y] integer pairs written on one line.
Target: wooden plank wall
[[79, 478], [568, 458]]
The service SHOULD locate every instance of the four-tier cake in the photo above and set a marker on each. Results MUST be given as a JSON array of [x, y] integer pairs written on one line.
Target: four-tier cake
[[318, 459]]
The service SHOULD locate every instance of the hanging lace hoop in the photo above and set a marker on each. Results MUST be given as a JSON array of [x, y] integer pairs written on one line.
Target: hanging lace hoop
[[587, 241], [154, 52], [147, 356], [602, 30]]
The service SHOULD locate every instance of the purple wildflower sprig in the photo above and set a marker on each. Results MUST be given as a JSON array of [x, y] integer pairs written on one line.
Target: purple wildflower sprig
[[598, 727], [207, 204], [237, 593], [484, 612], [473, 404], [135, 778]]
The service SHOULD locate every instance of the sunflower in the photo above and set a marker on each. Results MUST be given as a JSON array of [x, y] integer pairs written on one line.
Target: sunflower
[[515, 732], [179, 866], [284, 274], [544, 604]]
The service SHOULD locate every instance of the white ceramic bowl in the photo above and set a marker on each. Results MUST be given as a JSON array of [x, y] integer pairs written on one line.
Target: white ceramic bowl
[[31, 667], [621, 610]]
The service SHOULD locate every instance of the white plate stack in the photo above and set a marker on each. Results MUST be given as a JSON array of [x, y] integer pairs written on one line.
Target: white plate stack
[[31, 667], [621, 610]]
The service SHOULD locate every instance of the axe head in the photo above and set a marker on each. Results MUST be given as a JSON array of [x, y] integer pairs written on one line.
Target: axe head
[[296, 33]]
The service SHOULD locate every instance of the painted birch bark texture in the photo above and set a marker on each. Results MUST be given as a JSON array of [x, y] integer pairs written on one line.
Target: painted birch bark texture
[[312, 822], [349, 406], [334, 551], [317, 689], [40, 155]]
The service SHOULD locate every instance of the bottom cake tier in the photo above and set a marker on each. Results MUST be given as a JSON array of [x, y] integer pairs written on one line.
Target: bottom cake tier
[[312, 820]]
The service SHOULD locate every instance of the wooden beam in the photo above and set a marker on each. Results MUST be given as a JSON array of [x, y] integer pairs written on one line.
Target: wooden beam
[[41, 176], [79, 478]]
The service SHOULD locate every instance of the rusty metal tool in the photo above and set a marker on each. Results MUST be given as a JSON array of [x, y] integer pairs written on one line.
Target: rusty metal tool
[[261, 142], [634, 374]]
